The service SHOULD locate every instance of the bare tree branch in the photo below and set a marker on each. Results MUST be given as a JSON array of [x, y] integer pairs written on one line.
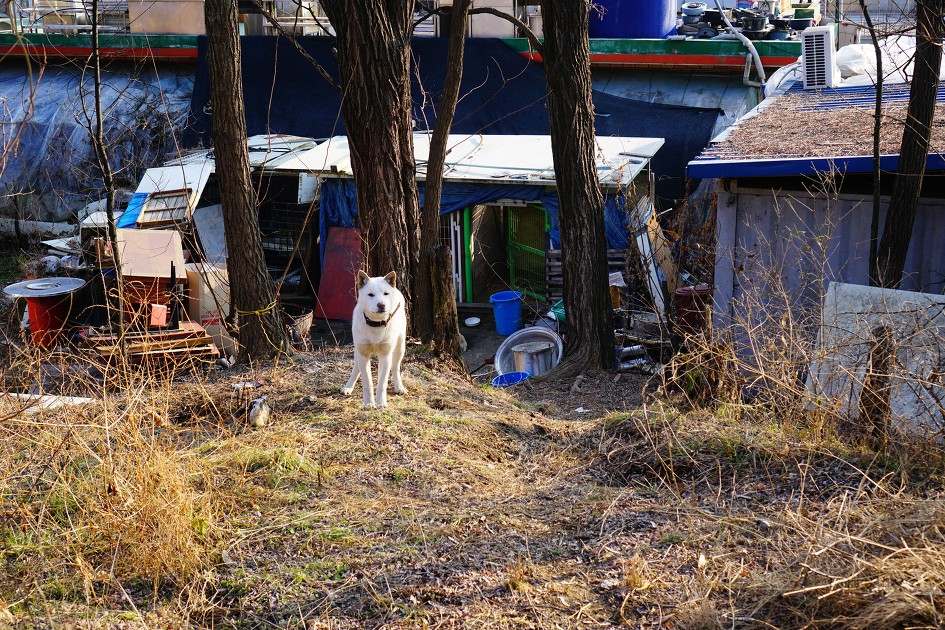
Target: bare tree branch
[[529, 33], [877, 129], [291, 37]]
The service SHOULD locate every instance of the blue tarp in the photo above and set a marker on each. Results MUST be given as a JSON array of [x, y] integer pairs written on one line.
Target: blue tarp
[[339, 206], [502, 93], [130, 218]]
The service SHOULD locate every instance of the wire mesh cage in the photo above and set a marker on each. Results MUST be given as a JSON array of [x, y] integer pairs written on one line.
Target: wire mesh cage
[[283, 227], [528, 228]]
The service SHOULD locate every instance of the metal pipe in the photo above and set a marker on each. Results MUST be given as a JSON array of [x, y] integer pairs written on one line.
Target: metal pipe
[[747, 42]]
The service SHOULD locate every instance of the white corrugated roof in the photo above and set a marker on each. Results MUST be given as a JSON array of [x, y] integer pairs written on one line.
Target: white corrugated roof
[[493, 159], [266, 151], [165, 178], [269, 151]]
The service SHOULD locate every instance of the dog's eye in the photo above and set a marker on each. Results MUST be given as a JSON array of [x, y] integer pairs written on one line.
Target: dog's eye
[[370, 295], [386, 293]]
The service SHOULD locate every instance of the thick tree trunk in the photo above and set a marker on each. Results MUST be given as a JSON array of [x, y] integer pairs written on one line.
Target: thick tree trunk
[[900, 219], [581, 216], [261, 335], [435, 319], [373, 40]]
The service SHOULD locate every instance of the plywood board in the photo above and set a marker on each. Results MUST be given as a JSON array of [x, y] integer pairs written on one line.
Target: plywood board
[[148, 254], [343, 258]]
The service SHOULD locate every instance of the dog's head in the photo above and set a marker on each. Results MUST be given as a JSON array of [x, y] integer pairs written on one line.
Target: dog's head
[[377, 296]]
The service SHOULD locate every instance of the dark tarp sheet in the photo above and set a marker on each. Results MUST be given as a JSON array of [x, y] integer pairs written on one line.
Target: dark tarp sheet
[[339, 207], [503, 93]]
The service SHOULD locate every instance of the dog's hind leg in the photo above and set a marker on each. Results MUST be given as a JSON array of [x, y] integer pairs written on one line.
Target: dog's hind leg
[[355, 374], [398, 356], [383, 374]]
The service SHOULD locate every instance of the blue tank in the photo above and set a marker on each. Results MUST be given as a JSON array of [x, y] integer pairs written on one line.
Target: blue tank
[[634, 19]]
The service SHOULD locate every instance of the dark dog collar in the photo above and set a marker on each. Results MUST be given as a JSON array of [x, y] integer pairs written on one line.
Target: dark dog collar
[[380, 324]]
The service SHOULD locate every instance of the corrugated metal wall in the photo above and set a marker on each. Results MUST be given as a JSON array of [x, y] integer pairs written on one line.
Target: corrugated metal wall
[[779, 249]]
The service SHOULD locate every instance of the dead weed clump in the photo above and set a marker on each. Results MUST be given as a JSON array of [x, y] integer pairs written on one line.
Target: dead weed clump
[[861, 564], [96, 498], [800, 530]]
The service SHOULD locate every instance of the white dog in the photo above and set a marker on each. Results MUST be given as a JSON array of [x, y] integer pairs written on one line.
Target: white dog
[[379, 328]]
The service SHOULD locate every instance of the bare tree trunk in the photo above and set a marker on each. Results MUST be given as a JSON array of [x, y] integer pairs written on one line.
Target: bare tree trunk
[[261, 335], [105, 169], [877, 129], [581, 216], [435, 318], [373, 41], [445, 319], [874, 397], [900, 219]]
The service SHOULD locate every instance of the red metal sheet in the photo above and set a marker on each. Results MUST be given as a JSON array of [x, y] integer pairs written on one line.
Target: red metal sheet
[[39, 51], [675, 61], [343, 258]]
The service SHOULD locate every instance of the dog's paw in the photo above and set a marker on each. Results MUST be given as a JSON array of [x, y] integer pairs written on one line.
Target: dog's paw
[[347, 390], [400, 390], [369, 405]]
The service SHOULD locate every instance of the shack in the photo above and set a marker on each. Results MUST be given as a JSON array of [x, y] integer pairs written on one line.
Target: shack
[[795, 206], [499, 211], [499, 203]]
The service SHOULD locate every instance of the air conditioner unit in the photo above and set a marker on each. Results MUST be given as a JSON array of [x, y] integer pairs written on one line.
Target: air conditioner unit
[[818, 46]]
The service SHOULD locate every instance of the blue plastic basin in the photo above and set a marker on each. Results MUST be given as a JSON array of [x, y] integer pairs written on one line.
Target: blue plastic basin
[[509, 378]]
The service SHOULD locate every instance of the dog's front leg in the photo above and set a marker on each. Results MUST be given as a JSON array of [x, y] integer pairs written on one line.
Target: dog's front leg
[[399, 350], [366, 382], [383, 373], [355, 374]]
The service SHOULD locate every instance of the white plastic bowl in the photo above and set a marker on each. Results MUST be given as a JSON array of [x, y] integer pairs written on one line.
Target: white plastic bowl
[[472, 322]]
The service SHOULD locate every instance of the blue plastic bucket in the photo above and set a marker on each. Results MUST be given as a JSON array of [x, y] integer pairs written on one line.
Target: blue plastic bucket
[[509, 378], [507, 308]]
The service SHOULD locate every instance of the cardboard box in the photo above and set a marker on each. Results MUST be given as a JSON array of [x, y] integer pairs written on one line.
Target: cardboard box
[[208, 302]]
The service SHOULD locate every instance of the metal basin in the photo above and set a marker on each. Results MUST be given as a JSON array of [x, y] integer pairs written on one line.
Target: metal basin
[[505, 358]]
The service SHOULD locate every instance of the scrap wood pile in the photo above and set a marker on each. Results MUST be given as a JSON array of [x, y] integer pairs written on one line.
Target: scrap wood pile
[[189, 341], [149, 298]]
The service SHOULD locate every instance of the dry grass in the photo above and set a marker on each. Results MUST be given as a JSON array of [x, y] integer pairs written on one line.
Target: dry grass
[[851, 129], [460, 506]]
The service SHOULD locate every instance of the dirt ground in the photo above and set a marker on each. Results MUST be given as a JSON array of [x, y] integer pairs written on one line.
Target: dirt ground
[[590, 397], [460, 506]]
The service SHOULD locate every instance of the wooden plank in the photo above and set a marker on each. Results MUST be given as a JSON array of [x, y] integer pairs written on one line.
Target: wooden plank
[[554, 281], [204, 353], [180, 353], [146, 347], [663, 253], [187, 329]]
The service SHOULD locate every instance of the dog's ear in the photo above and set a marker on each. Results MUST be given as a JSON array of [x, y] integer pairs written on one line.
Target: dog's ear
[[363, 279], [391, 279]]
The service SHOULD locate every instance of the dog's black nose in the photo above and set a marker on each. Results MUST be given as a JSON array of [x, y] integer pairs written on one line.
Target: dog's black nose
[[381, 307]]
